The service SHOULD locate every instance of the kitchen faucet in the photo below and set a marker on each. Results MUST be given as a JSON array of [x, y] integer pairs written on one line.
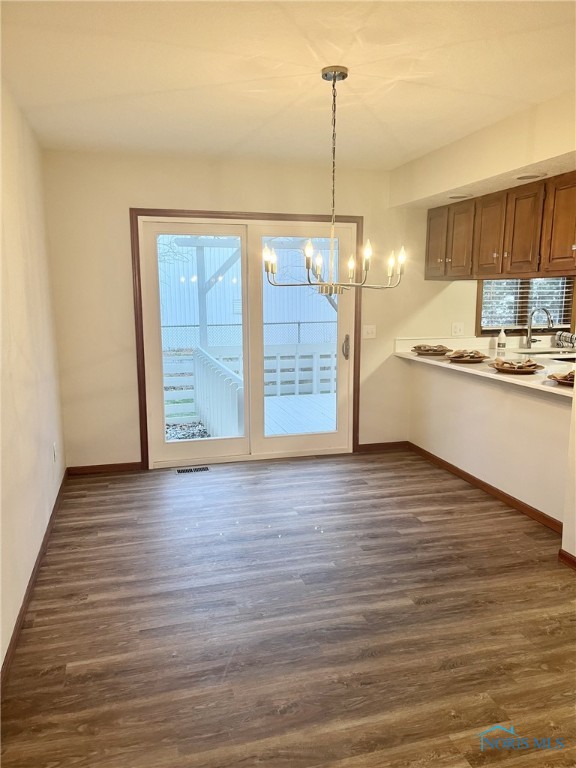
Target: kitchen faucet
[[529, 326]]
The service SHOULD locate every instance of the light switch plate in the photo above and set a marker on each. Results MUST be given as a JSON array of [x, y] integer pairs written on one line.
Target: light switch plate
[[368, 331], [457, 329]]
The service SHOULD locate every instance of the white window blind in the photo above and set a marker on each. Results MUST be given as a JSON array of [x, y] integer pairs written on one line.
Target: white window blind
[[508, 303]]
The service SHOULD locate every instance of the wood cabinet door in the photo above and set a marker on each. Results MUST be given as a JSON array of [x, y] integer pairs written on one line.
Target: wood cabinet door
[[488, 245], [522, 230], [460, 234], [436, 241], [559, 225]]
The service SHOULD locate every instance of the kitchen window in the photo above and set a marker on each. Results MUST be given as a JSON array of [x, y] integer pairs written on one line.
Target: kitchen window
[[508, 303]]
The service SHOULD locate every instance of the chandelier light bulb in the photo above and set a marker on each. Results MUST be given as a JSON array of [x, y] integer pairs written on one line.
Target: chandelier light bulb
[[270, 260], [368, 250], [391, 264], [309, 253], [351, 267], [401, 261]]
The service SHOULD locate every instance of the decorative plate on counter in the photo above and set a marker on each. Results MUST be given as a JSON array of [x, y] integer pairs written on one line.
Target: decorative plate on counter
[[464, 356], [567, 378], [508, 366], [426, 350]]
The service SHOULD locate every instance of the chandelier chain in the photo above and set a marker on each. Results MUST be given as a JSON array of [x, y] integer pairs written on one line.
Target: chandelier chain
[[333, 219]]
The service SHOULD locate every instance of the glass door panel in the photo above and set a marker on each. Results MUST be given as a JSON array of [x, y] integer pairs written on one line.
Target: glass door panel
[[301, 383], [200, 294], [300, 346], [194, 340]]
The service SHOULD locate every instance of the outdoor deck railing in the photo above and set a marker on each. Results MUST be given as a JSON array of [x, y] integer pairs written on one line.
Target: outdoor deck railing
[[290, 369], [218, 395], [206, 385]]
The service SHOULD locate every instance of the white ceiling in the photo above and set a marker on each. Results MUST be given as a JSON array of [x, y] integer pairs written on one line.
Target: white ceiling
[[243, 78]]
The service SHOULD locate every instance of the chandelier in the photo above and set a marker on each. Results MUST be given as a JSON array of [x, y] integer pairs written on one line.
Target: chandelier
[[315, 270]]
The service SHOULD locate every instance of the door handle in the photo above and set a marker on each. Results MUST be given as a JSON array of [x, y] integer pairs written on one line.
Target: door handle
[[346, 347]]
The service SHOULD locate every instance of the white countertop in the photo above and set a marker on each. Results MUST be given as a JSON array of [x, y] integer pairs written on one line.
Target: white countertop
[[537, 381]]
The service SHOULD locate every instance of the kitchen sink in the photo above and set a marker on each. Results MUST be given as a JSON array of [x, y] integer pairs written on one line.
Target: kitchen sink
[[547, 355], [565, 359], [550, 351]]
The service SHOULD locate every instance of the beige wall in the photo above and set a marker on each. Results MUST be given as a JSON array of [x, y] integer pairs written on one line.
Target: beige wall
[[87, 198], [30, 397], [528, 138]]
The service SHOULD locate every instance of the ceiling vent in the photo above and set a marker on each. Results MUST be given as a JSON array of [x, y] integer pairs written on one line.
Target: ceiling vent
[[530, 176]]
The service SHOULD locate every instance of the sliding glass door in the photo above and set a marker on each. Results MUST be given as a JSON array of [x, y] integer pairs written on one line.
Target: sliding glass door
[[234, 367], [302, 394]]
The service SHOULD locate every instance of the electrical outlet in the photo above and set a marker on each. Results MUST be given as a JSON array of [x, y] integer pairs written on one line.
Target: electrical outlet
[[457, 329], [368, 331]]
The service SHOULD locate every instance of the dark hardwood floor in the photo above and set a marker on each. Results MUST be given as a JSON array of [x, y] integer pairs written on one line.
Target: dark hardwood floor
[[365, 611]]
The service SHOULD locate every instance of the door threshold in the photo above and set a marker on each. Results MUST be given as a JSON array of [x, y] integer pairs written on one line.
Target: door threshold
[[249, 457]]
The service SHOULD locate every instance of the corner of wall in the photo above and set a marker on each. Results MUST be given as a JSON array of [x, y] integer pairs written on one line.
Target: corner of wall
[[33, 462]]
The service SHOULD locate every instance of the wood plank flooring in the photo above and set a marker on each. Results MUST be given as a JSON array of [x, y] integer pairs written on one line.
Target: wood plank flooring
[[366, 611]]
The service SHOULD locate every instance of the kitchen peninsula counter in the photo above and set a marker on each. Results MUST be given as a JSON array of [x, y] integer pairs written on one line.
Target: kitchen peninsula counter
[[535, 381], [509, 431]]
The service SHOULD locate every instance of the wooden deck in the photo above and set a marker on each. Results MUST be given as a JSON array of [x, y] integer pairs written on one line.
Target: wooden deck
[[299, 414]]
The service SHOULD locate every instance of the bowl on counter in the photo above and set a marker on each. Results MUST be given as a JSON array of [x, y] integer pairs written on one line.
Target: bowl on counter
[[466, 356], [516, 367]]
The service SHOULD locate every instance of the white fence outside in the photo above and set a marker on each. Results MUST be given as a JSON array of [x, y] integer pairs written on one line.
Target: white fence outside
[[179, 338]]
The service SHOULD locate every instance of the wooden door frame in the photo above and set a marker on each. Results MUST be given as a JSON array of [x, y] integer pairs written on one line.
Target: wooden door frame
[[137, 213]]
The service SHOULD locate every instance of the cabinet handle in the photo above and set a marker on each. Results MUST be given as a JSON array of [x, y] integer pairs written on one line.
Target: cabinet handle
[[505, 254], [574, 247], [449, 260], [440, 261], [495, 255]]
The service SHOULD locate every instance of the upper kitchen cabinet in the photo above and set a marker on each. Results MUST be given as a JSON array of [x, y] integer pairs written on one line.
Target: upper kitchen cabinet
[[488, 249], [436, 242], [522, 229], [459, 239], [559, 225], [526, 231]]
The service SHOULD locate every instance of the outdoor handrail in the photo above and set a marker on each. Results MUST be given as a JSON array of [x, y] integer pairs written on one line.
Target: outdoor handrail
[[219, 396]]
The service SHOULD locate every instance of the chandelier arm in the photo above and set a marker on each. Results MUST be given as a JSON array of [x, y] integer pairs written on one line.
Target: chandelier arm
[[273, 282], [382, 287], [310, 282], [349, 285]]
